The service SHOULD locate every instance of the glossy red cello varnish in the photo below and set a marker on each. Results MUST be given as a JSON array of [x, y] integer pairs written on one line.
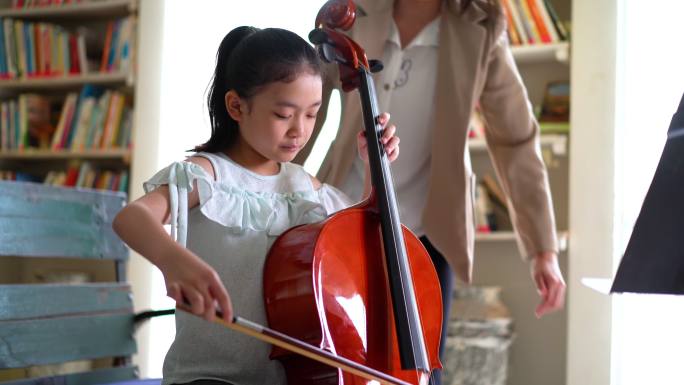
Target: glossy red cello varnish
[[329, 283]]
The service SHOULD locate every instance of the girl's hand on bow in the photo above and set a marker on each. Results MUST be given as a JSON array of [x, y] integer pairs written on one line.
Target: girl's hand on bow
[[195, 285]]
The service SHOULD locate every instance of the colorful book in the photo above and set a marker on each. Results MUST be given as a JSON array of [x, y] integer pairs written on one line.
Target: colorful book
[[29, 44], [547, 20], [557, 23], [517, 15], [62, 132], [555, 105], [74, 67], [526, 19], [538, 21], [82, 123], [71, 176], [123, 182], [103, 110], [4, 72], [128, 50], [21, 48], [513, 35], [10, 47], [12, 131], [23, 123], [114, 44], [82, 58], [107, 47], [4, 126]]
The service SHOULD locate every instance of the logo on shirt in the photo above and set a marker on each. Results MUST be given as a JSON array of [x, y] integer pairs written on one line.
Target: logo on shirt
[[403, 77]]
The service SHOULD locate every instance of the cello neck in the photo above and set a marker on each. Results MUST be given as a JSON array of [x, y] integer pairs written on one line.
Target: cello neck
[[412, 348]]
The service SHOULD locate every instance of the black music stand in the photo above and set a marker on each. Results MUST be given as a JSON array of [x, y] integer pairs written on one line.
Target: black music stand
[[654, 258]]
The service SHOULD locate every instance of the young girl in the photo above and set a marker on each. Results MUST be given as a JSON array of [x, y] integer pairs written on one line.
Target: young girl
[[228, 203]]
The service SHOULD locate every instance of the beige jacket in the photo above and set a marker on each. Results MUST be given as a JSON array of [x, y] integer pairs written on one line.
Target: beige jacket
[[475, 64]]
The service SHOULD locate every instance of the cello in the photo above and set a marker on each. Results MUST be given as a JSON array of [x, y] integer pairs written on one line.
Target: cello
[[358, 285]]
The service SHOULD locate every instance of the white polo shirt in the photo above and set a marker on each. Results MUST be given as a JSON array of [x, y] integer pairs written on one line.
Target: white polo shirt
[[405, 89]]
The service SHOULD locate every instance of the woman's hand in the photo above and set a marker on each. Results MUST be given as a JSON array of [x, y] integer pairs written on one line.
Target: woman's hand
[[192, 282], [550, 284], [389, 141]]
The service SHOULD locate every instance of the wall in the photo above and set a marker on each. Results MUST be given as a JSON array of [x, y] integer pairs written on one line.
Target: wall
[[145, 153], [591, 247]]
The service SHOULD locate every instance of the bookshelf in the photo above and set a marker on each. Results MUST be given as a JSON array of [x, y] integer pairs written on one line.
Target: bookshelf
[[558, 144], [509, 236], [539, 343], [77, 10], [117, 79], [119, 154], [541, 53], [74, 60]]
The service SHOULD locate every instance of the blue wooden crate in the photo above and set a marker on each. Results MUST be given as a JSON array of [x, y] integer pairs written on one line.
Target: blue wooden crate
[[47, 221], [55, 323]]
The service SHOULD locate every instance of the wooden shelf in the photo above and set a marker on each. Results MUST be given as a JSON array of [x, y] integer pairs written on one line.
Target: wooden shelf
[[67, 82], [557, 143], [83, 10], [509, 236], [541, 53], [122, 154]]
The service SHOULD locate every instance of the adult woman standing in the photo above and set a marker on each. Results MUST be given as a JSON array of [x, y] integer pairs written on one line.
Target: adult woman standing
[[442, 57]]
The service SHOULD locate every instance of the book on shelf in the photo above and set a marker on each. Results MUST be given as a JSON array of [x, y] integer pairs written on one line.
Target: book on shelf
[[42, 3], [18, 176], [515, 35], [77, 174], [558, 25], [491, 207], [532, 27], [31, 49], [485, 221], [532, 22], [548, 128], [554, 111], [495, 192]]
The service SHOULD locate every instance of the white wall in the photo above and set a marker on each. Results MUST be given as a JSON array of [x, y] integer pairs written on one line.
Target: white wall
[[647, 330], [627, 79], [145, 152], [591, 246]]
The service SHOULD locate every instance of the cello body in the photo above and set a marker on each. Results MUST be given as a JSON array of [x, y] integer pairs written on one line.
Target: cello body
[[326, 284]]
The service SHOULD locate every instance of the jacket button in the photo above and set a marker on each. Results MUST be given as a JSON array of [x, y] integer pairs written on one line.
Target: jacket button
[[387, 87]]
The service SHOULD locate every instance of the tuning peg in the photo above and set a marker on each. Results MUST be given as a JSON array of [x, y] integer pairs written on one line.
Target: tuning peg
[[318, 36], [375, 65]]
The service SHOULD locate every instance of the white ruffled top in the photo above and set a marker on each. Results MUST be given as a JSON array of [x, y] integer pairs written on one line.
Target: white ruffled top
[[237, 198], [240, 214]]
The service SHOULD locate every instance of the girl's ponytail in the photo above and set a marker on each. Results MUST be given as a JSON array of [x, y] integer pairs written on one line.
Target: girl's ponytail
[[247, 59], [223, 127]]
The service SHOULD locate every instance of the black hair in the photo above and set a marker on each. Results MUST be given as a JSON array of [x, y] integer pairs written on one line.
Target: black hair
[[249, 58]]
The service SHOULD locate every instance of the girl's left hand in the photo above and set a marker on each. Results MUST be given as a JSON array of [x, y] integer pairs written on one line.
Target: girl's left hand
[[389, 141]]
